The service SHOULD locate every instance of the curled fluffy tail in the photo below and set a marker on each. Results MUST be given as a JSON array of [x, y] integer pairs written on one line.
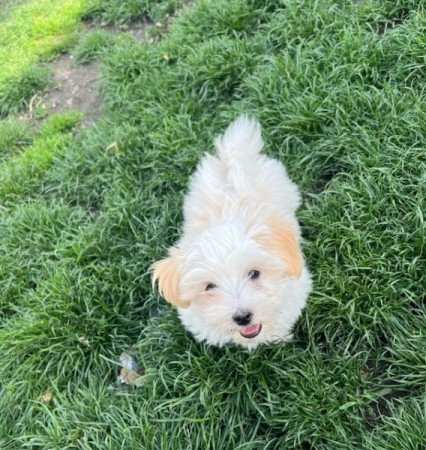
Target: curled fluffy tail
[[241, 140], [238, 148]]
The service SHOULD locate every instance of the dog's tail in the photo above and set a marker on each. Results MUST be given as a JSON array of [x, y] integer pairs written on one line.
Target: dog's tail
[[238, 148]]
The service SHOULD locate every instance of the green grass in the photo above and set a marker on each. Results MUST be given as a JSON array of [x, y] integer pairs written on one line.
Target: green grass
[[30, 32], [339, 90], [19, 173], [118, 12], [14, 134], [92, 45], [7, 7]]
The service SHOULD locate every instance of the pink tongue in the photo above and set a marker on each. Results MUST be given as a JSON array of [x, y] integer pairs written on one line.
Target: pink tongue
[[250, 330]]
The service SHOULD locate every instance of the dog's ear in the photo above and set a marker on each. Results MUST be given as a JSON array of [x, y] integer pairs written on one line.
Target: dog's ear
[[282, 239], [167, 272]]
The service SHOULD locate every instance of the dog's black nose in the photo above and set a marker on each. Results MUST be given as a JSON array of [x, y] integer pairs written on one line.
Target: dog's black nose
[[242, 318]]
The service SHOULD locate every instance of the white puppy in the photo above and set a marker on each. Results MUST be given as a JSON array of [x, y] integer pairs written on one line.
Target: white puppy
[[237, 274]]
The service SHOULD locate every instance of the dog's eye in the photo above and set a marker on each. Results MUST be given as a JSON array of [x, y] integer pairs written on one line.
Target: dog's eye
[[253, 274], [210, 286]]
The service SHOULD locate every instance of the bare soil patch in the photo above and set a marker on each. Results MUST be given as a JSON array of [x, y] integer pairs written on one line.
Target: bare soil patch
[[75, 87]]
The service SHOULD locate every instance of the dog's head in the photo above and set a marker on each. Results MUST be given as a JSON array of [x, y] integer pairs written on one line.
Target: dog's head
[[230, 284]]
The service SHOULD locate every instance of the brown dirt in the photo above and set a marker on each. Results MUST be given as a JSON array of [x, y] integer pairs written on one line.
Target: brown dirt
[[136, 29], [77, 87], [74, 87]]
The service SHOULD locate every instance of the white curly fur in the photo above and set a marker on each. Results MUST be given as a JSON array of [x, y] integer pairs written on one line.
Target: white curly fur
[[239, 217]]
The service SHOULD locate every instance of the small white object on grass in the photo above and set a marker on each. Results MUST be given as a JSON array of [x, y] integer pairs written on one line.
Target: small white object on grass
[[131, 374]]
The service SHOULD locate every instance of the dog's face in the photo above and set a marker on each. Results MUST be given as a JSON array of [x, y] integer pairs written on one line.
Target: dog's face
[[232, 280]]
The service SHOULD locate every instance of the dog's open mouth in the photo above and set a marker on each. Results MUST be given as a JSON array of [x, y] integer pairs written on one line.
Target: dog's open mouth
[[251, 331]]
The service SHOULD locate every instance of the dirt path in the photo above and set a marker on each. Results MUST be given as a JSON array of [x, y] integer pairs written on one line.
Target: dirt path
[[75, 87]]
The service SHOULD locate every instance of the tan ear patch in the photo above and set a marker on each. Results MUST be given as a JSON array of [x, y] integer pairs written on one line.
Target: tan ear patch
[[167, 274], [282, 240]]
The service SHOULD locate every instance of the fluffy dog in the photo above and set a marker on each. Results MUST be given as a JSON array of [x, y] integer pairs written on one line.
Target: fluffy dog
[[237, 274]]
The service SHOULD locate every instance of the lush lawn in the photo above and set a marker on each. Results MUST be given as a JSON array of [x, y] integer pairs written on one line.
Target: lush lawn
[[7, 6], [339, 87], [29, 32]]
